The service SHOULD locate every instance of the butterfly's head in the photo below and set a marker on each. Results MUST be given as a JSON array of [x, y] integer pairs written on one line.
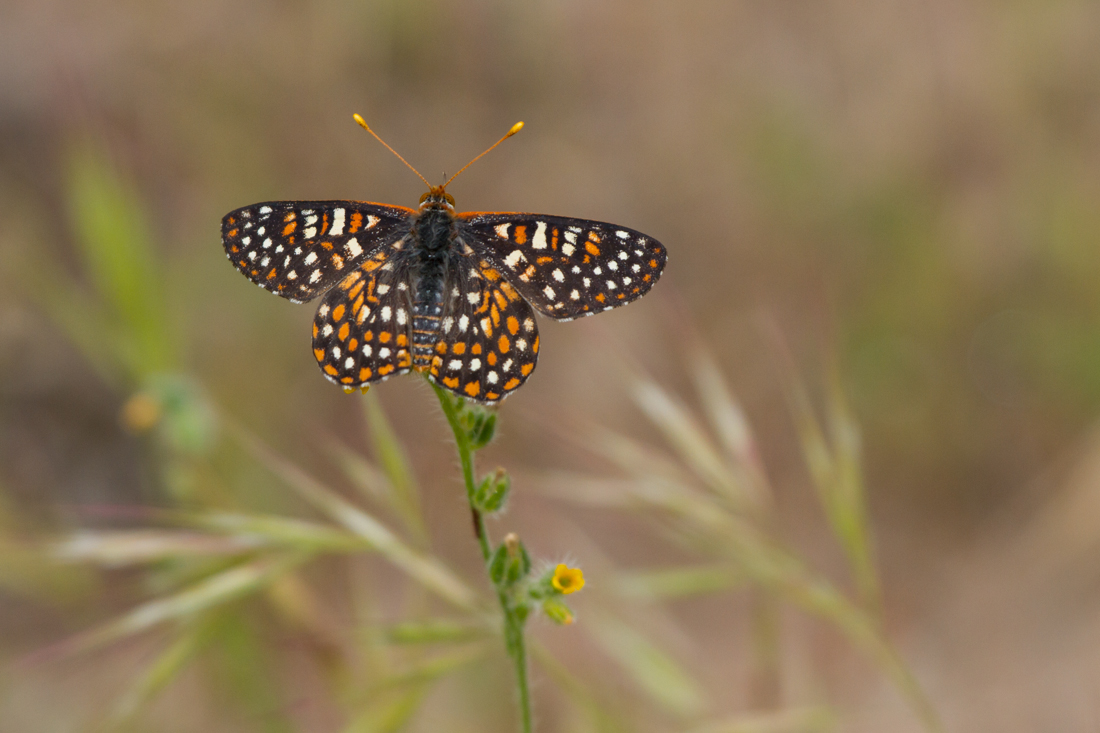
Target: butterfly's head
[[437, 198]]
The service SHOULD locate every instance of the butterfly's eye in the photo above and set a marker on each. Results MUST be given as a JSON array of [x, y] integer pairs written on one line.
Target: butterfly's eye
[[425, 197], [450, 199]]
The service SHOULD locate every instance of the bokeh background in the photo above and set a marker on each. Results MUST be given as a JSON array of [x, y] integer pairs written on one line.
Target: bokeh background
[[897, 202]]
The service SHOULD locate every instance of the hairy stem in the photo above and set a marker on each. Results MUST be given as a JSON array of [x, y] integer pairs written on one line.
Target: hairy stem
[[514, 639]]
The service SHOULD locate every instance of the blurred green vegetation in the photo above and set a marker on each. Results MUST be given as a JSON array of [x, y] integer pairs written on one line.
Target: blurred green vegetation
[[217, 571]]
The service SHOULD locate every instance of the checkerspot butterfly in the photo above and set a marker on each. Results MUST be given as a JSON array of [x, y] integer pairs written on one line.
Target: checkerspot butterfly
[[450, 294]]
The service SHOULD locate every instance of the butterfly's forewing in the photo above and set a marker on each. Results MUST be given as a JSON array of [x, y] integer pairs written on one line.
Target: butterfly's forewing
[[361, 330], [566, 268], [488, 341], [300, 249]]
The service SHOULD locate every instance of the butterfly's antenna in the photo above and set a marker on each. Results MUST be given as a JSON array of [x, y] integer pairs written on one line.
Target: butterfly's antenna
[[363, 124], [515, 128]]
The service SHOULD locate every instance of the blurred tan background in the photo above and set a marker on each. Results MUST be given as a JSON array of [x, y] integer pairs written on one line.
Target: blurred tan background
[[909, 191]]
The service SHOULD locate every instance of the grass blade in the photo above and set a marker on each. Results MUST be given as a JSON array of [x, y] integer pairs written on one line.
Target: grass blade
[[795, 720], [658, 675], [688, 438], [395, 464], [426, 570], [118, 548], [158, 675], [216, 590]]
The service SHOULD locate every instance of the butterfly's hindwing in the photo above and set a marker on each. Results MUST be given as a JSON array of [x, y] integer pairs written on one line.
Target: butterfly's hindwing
[[566, 268], [488, 339], [300, 249], [361, 330]]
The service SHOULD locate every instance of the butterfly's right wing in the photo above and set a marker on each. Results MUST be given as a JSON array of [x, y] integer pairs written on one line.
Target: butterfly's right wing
[[566, 268], [300, 249], [488, 342]]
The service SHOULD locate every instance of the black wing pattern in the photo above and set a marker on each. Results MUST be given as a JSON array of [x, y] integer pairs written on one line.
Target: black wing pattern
[[488, 342], [566, 268], [361, 330], [300, 249]]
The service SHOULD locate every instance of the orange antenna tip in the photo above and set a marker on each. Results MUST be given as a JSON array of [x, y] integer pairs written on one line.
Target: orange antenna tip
[[363, 123], [515, 128]]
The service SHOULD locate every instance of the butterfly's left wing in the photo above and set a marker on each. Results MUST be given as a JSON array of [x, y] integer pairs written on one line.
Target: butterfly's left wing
[[361, 330], [300, 249], [566, 268]]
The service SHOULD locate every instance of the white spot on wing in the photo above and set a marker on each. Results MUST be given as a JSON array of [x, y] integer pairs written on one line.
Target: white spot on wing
[[558, 275], [567, 249], [513, 259], [539, 240], [502, 230], [311, 258], [352, 247], [475, 364], [337, 223], [549, 292], [383, 289], [622, 235]]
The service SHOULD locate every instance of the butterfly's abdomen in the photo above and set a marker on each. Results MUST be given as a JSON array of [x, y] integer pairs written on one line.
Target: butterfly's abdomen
[[433, 232]]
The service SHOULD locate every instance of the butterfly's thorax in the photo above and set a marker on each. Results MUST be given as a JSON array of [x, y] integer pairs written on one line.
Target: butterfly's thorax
[[432, 238]]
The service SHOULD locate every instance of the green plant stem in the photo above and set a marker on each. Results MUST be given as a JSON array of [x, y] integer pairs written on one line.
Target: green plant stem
[[514, 639]]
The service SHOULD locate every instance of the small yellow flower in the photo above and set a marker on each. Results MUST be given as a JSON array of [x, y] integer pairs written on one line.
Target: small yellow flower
[[566, 579]]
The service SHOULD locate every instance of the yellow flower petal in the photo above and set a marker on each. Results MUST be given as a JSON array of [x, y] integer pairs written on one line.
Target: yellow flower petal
[[566, 579]]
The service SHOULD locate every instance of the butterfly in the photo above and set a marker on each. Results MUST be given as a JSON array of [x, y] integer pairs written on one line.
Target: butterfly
[[452, 295]]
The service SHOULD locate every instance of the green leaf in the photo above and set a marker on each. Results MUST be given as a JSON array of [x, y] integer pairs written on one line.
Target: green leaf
[[117, 248], [492, 493]]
